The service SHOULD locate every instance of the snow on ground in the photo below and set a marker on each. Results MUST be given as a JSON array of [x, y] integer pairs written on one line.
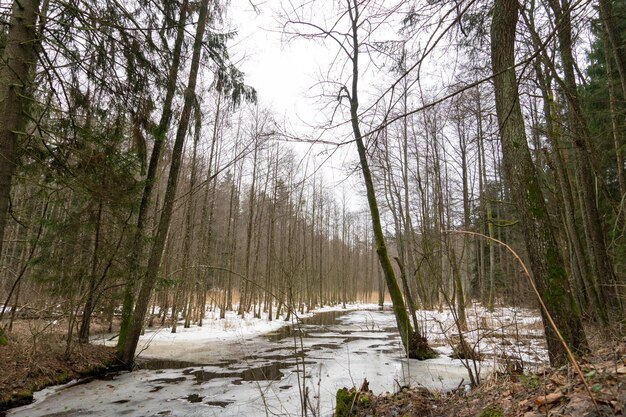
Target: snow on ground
[[246, 366], [187, 344], [506, 334]]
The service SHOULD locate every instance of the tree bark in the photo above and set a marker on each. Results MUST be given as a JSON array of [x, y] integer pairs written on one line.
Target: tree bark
[[172, 182], [18, 60], [545, 256]]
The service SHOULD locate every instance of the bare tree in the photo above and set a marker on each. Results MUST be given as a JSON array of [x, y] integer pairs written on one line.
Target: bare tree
[[356, 23]]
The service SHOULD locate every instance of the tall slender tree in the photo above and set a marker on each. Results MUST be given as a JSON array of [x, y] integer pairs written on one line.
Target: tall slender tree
[[156, 253]]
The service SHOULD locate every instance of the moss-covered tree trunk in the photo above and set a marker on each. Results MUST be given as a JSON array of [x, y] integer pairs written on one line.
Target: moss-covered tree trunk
[[545, 257], [414, 343], [600, 260]]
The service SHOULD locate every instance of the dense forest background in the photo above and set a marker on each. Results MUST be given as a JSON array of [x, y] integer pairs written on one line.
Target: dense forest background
[[141, 174]]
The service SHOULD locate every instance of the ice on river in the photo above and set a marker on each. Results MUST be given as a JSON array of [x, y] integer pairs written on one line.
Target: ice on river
[[256, 368]]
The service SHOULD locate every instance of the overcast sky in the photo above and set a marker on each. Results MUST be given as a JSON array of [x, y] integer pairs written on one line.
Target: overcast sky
[[280, 71], [285, 73]]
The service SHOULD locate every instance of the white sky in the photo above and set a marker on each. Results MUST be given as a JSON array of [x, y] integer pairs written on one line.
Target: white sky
[[282, 72], [285, 73]]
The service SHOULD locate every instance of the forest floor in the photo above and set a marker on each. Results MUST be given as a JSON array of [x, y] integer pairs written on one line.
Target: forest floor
[[35, 358], [544, 392]]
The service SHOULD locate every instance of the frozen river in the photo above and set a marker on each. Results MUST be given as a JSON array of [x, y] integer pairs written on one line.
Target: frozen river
[[277, 373]]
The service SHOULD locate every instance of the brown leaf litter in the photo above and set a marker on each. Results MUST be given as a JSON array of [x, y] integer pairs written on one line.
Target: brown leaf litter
[[548, 392]]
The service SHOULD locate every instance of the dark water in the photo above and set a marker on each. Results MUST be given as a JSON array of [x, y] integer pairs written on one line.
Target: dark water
[[158, 364], [303, 328], [325, 318]]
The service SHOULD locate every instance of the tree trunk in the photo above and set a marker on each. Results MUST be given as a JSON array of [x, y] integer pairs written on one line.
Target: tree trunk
[[589, 285], [545, 256], [607, 15], [18, 60], [601, 263], [245, 286], [90, 303], [615, 125], [159, 140], [188, 281], [170, 194], [414, 343]]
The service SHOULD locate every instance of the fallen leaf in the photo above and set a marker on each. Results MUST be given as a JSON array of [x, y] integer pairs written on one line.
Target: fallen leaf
[[557, 380], [579, 406], [548, 399]]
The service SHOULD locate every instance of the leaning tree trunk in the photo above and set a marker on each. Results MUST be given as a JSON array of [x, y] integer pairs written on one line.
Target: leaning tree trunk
[[414, 343], [545, 257], [159, 141], [18, 60], [170, 193]]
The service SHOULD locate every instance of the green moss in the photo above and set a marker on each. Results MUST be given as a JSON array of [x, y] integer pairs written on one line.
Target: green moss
[[491, 411], [63, 377], [21, 398], [423, 354], [26, 396], [419, 348], [345, 399], [3, 338], [530, 381], [100, 369], [364, 400]]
